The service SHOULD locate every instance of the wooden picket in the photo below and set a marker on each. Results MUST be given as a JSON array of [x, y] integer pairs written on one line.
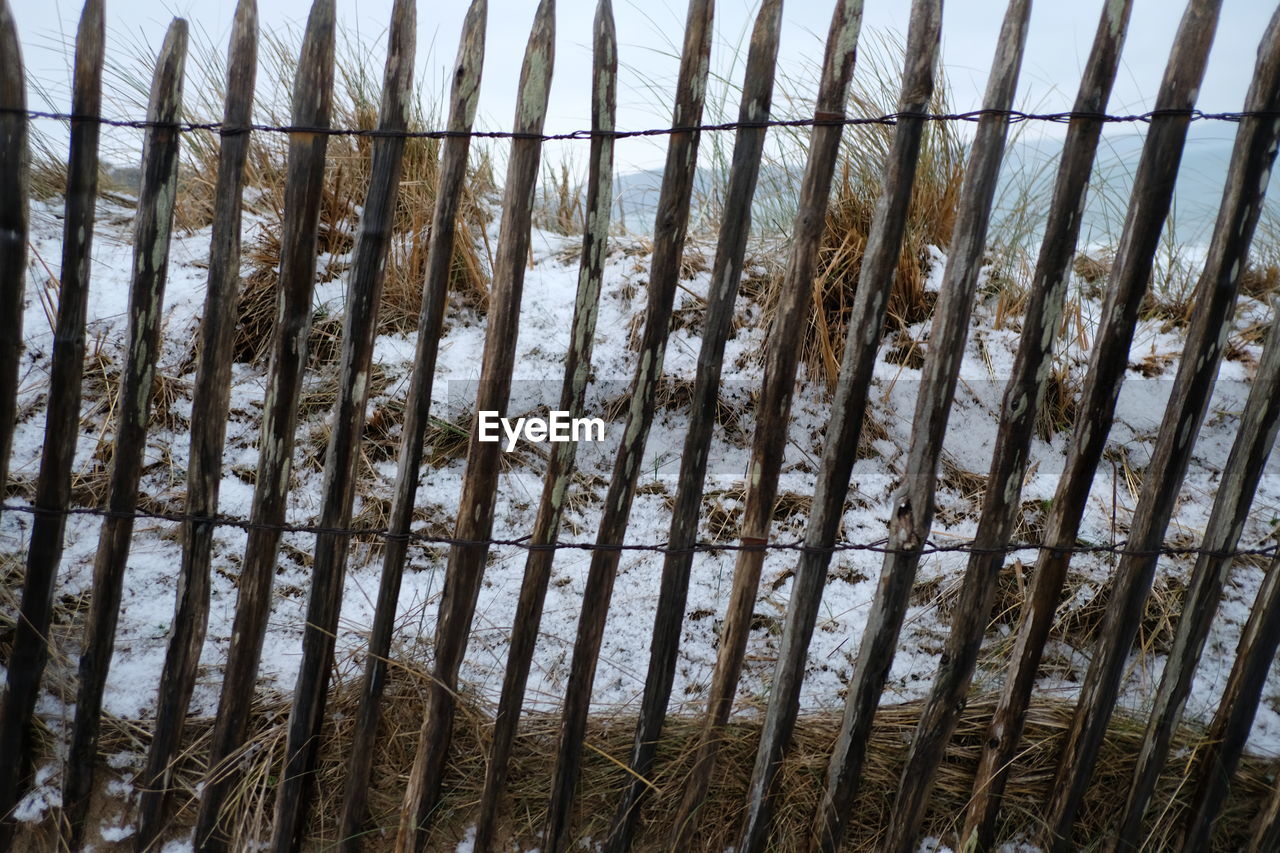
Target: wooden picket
[[912, 511], [30, 650], [312, 100], [453, 167], [1254, 441], [364, 293], [862, 344], [1225, 739], [1213, 310], [465, 569], [210, 401], [1024, 395], [1214, 762], [726, 273], [15, 184], [1148, 206], [781, 360], [670, 227], [152, 228], [573, 392]]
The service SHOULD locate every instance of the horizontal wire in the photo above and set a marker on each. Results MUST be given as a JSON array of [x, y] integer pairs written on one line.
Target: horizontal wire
[[879, 546], [825, 120]]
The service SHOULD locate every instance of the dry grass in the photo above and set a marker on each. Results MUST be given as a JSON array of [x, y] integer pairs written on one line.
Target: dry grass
[[1061, 404], [930, 218], [609, 740], [349, 161], [559, 206], [849, 217], [722, 510]]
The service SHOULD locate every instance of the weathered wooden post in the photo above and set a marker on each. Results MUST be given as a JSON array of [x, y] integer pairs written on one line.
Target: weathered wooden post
[[152, 228], [1148, 206], [861, 346], [453, 169], [560, 468], [1232, 500], [670, 226], [465, 570], [1023, 397], [62, 424], [726, 273], [15, 184], [1212, 317], [364, 292], [209, 403], [774, 408], [1227, 734], [912, 512], [304, 189]]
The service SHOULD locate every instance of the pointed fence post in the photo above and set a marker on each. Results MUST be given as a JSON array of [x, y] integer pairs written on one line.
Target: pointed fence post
[[1148, 206], [30, 650], [774, 407], [304, 189], [453, 169], [560, 469], [152, 228], [1212, 317], [670, 227], [912, 512], [465, 570], [726, 273], [342, 457], [209, 404], [15, 185], [862, 341], [1023, 397]]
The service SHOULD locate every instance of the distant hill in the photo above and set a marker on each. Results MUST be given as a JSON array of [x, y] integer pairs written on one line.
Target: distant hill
[[1025, 191]]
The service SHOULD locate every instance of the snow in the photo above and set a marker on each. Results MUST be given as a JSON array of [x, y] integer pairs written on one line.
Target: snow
[[44, 795], [147, 607]]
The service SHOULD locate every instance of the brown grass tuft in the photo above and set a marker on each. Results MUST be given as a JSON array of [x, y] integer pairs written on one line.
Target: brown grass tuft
[[608, 743], [857, 188], [347, 173]]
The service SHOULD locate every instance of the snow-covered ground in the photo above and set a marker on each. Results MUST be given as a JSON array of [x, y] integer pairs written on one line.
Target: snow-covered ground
[[147, 607]]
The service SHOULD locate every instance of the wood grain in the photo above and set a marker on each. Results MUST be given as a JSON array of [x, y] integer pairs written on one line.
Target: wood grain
[[1148, 206], [30, 650], [210, 400], [304, 189], [453, 168]]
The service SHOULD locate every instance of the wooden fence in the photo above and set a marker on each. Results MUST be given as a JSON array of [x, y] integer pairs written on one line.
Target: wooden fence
[[995, 752]]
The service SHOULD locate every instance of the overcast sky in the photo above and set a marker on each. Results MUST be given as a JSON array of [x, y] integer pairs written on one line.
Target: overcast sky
[[649, 33]]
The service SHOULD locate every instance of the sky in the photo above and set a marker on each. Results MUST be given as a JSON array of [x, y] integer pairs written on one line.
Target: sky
[[649, 34]]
